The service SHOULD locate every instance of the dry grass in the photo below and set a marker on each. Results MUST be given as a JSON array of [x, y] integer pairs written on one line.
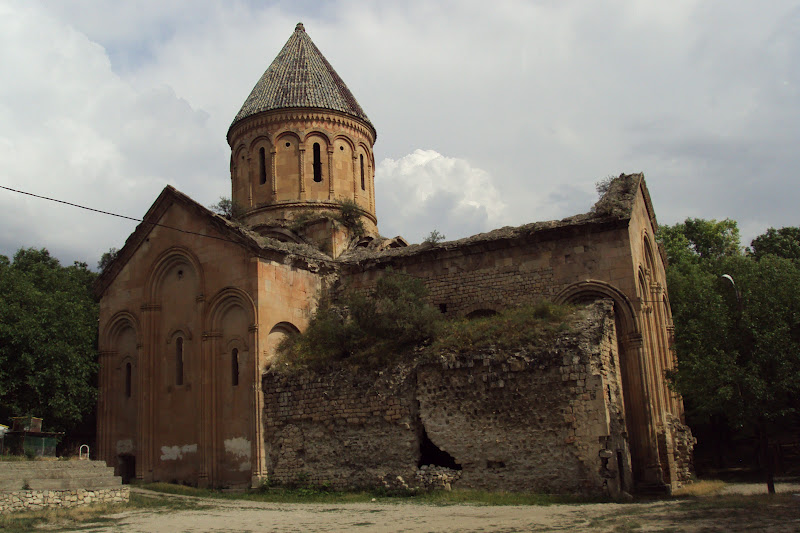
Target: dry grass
[[701, 488]]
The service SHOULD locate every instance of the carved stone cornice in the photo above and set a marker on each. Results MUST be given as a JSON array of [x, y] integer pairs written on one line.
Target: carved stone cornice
[[266, 120]]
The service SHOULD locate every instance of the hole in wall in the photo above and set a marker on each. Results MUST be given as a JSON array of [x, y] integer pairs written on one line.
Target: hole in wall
[[341, 148], [430, 454], [495, 465], [288, 144], [442, 308]]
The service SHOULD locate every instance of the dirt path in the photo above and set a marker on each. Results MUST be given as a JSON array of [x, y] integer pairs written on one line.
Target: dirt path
[[666, 515]]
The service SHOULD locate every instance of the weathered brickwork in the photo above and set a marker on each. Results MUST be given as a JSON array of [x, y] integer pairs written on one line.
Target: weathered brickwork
[[190, 320], [32, 500], [339, 429], [547, 419]]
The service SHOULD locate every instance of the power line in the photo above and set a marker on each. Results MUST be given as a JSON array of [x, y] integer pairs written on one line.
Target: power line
[[440, 280], [116, 214]]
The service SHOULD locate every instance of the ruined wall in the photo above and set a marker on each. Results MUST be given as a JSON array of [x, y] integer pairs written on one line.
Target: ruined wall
[[546, 419], [343, 429], [501, 271]]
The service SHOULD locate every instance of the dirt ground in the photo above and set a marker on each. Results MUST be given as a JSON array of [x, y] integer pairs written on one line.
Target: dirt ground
[[706, 514]]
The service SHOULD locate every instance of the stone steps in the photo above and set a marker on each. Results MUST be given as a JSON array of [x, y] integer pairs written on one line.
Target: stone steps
[[56, 475]]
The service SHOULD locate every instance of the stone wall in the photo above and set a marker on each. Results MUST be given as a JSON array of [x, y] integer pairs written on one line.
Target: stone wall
[[32, 500], [343, 429], [546, 418]]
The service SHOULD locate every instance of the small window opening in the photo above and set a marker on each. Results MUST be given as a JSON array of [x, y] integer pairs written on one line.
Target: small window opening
[[442, 308], [317, 164], [235, 367], [262, 166], [288, 144], [128, 379], [362, 171], [341, 148], [179, 361], [430, 454]]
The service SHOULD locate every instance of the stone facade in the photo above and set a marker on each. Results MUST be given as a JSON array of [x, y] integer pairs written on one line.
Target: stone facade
[[549, 418], [34, 500], [194, 305]]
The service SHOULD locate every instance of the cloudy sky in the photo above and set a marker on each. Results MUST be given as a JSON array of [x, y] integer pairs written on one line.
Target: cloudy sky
[[488, 114]]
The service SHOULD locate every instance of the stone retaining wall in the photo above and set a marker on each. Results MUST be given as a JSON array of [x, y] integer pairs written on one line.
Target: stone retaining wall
[[33, 500]]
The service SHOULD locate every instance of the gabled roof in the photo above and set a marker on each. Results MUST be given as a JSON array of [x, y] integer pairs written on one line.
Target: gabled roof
[[301, 255], [300, 76]]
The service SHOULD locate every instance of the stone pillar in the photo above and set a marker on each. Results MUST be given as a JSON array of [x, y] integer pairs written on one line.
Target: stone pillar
[[148, 380], [249, 182], [104, 413], [273, 153], [207, 412], [302, 148], [650, 467], [330, 173], [371, 187], [257, 466], [355, 176]]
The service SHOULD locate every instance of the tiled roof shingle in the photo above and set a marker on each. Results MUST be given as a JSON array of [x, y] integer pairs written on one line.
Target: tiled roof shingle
[[300, 76]]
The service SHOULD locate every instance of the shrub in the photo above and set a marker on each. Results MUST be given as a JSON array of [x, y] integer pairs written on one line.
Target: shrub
[[368, 328], [434, 237], [350, 217]]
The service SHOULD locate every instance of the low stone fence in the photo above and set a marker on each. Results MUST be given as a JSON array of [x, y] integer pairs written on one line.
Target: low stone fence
[[33, 500]]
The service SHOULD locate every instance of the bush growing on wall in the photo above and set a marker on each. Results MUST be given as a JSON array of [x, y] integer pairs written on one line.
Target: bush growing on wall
[[367, 328]]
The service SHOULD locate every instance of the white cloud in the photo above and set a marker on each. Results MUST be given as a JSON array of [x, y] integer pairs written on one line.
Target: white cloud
[[425, 190], [106, 102], [72, 129]]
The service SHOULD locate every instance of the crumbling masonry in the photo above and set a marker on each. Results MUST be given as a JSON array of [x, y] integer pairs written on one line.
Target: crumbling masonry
[[190, 320]]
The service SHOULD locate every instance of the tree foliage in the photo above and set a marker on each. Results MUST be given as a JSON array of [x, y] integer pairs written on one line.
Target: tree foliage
[[738, 343], [230, 209], [434, 237], [367, 327], [784, 242], [48, 335], [107, 258]]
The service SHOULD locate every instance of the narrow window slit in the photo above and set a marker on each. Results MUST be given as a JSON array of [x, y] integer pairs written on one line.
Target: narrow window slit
[[317, 164], [262, 166]]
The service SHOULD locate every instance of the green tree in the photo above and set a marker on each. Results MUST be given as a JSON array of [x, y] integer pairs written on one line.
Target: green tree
[[784, 242], [737, 343], [434, 237], [107, 258], [230, 209], [48, 335], [367, 327], [698, 239]]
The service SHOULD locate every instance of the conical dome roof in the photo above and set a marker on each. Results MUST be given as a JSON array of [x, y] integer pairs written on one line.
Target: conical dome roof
[[300, 76]]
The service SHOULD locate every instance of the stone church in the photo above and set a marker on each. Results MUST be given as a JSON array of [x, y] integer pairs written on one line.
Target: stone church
[[195, 303]]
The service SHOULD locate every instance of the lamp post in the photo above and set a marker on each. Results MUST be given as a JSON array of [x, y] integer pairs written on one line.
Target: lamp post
[[747, 348]]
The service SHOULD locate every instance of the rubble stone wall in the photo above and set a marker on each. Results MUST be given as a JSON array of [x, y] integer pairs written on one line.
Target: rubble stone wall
[[32, 500], [543, 419]]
